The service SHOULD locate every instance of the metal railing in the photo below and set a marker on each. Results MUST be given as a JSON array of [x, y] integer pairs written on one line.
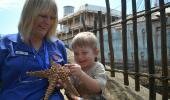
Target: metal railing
[[98, 30]]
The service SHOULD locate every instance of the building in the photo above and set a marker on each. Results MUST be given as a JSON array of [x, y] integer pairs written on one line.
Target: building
[[68, 10], [74, 23], [142, 39]]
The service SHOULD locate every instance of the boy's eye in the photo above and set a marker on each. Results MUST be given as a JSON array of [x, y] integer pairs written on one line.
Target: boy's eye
[[84, 52], [75, 53]]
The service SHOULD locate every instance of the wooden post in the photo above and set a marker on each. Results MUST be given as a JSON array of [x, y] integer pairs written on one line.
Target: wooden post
[[163, 50], [152, 93], [135, 37], [101, 37], [124, 42], [110, 38], [95, 25]]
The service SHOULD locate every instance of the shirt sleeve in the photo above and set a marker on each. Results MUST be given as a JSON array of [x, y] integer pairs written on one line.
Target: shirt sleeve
[[3, 53], [100, 75], [62, 49]]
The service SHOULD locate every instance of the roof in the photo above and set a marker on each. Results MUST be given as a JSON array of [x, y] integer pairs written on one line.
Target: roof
[[90, 8], [167, 12], [95, 8]]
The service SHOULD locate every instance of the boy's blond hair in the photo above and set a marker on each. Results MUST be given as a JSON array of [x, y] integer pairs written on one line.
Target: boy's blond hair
[[84, 39]]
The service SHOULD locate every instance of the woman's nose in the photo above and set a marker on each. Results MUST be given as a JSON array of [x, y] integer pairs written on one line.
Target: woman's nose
[[47, 20]]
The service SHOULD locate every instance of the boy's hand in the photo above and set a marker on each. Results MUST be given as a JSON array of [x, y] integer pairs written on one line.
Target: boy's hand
[[75, 69]]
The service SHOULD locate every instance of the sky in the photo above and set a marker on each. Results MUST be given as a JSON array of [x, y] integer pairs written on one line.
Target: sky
[[10, 11]]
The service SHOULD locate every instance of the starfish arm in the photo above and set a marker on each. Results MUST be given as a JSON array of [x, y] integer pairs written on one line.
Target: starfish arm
[[51, 87], [42, 74], [70, 87]]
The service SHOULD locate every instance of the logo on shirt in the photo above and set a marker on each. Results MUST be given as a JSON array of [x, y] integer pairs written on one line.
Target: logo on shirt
[[56, 57], [21, 52]]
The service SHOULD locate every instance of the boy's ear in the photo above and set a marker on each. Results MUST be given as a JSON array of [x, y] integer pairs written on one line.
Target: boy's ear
[[96, 51]]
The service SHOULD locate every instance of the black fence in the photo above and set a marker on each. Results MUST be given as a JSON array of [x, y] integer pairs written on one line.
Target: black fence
[[151, 74]]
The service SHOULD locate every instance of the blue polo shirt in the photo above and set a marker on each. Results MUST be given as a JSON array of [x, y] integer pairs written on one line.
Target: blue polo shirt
[[16, 58]]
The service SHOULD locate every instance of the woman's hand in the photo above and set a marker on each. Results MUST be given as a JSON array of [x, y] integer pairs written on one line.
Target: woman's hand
[[60, 84], [76, 97], [73, 97]]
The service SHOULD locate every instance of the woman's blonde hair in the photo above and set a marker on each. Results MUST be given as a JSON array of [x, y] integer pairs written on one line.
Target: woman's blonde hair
[[31, 9], [84, 39]]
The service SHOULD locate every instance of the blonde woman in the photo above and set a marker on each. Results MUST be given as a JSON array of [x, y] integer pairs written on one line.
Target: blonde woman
[[31, 50]]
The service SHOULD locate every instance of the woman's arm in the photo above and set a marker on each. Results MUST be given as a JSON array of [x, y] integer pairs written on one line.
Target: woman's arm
[[3, 55]]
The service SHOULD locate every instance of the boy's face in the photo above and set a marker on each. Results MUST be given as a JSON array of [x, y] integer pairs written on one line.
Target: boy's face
[[85, 56]]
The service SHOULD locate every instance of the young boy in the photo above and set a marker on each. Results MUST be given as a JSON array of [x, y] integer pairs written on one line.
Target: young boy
[[88, 75]]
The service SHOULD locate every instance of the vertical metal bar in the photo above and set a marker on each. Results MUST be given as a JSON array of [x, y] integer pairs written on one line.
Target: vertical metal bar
[[152, 93], [95, 25], [101, 37], [110, 38], [137, 85], [67, 35], [124, 41], [83, 21], [163, 50]]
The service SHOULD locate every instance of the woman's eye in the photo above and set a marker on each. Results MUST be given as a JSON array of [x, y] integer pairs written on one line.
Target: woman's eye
[[75, 53], [43, 16], [46, 16]]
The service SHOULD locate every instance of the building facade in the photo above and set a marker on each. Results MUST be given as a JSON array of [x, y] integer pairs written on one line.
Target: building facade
[[73, 24], [82, 20]]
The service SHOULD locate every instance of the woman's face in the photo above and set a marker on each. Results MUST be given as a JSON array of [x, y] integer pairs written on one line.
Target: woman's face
[[43, 24]]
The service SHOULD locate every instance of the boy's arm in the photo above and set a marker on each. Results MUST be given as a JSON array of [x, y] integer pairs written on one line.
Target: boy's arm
[[97, 83], [90, 83], [94, 84]]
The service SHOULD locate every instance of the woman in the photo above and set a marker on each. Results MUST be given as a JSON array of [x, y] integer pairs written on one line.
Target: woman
[[31, 50]]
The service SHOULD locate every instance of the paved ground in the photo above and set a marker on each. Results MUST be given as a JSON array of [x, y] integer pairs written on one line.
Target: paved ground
[[116, 90]]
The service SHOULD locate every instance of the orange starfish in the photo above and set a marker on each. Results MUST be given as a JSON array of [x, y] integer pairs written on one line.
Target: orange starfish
[[54, 74]]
